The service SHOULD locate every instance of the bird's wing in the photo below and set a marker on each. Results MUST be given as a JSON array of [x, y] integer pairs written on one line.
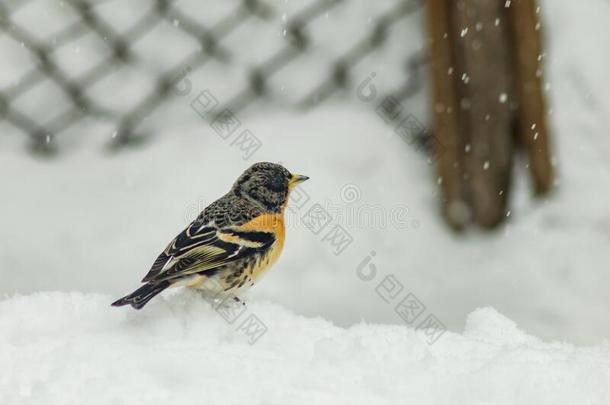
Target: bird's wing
[[201, 248], [196, 232], [203, 231]]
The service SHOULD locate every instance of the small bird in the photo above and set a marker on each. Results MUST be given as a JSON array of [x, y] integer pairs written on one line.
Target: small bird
[[231, 243]]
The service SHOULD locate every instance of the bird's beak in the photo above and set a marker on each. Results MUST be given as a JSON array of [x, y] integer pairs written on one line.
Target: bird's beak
[[296, 180]]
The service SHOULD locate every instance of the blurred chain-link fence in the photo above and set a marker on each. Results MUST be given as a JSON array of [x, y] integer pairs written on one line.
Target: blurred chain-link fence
[[119, 62]]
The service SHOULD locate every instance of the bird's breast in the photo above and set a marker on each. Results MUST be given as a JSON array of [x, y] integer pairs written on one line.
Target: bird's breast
[[273, 223]]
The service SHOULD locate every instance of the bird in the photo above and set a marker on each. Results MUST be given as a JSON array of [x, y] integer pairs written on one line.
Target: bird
[[231, 243]]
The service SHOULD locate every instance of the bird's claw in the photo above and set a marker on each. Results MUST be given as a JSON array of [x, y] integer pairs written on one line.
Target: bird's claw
[[236, 299]]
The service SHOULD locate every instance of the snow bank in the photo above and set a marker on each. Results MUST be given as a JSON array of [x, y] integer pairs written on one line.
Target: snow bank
[[60, 348]]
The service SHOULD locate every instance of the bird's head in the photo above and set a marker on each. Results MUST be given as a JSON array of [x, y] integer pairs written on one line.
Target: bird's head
[[267, 185]]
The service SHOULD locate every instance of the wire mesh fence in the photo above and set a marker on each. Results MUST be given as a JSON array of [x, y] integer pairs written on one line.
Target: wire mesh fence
[[44, 72]]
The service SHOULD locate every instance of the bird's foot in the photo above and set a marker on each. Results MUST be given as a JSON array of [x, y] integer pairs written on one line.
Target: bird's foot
[[239, 301]]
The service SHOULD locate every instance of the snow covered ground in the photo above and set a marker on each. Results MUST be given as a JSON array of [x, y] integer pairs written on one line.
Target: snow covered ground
[[81, 230], [59, 348]]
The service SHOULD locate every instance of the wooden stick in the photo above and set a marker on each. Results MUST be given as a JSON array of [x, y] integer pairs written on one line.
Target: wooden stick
[[483, 73], [448, 147], [523, 16]]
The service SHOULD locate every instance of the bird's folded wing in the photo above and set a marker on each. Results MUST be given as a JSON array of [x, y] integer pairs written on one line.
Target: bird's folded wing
[[195, 234], [206, 249]]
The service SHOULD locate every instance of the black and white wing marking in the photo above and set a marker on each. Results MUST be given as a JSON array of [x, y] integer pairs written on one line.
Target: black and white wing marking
[[207, 247]]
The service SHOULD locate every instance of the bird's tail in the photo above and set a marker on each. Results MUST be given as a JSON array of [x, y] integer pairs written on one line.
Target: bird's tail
[[142, 295]]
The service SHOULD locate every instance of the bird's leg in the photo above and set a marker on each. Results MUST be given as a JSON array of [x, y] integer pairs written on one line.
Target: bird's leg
[[211, 297], [239, 301]]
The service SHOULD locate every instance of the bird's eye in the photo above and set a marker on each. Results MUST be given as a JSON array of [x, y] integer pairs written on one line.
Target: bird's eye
[[276, 184]]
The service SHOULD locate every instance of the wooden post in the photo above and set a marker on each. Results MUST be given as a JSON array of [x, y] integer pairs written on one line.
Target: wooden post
[[487, 76], [483, 76], [531, 116], [448, 147]]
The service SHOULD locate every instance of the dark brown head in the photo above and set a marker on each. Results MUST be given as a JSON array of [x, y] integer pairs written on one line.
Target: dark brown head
[[268, 185]]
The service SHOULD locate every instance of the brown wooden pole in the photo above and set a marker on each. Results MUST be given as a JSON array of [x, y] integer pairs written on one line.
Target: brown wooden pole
[[484, 84], [448, 147], [523, 16]]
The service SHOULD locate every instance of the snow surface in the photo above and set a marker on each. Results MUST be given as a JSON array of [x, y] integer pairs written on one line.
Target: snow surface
[[60, 348]]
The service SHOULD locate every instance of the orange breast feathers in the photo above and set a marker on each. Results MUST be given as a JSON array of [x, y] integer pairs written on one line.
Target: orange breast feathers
[[273, 223], [265, 223]]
